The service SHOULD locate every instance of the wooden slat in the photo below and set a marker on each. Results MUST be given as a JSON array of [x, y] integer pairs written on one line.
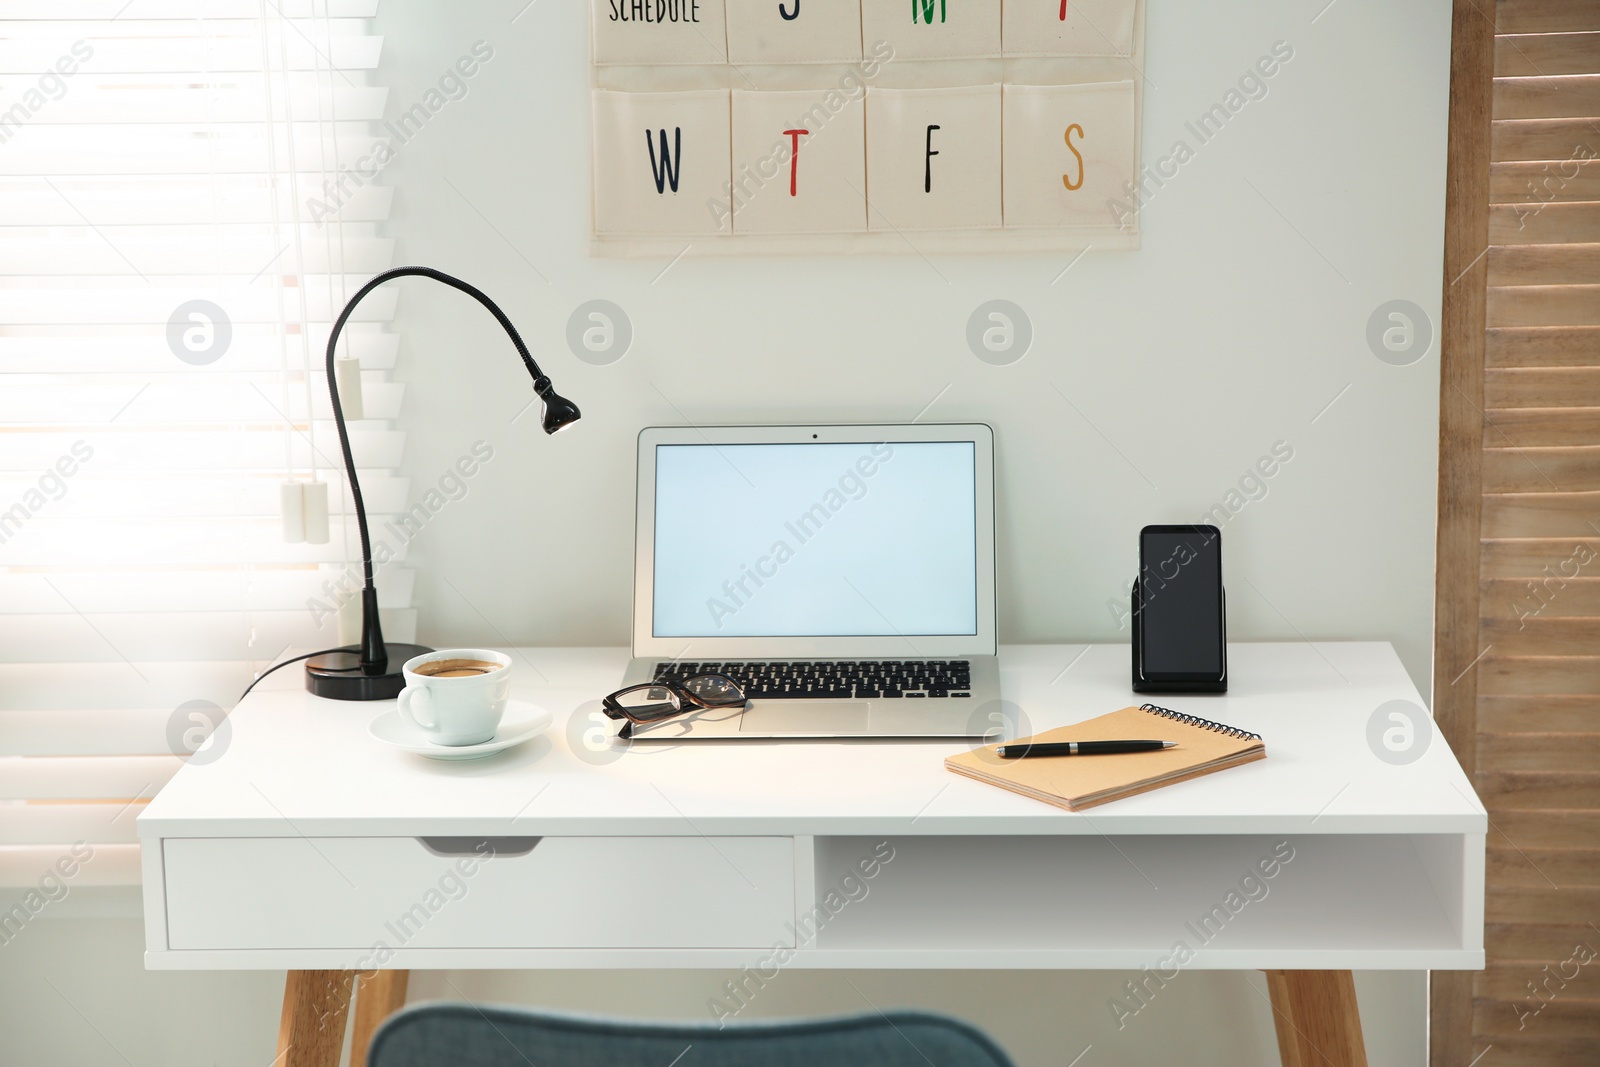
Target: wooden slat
[[1531, 470], [1545, 264], [1505, 790], [1538, 944], [1557, 97], [1543, 346], [1541, 515], [1543, 867], [1540, 427], [1545, 16], [1532, 1049], [1538, 635], [1510, 981], [1541, 387], [1553, 595], [1553, 141], [1539, 223], [1525, 559], [1563, 182], [1538, 752], [1524, 55], [1539, 675], [1536, 675], [1541, 904], [1560, 1019], [1515, 714], [1544, 305]]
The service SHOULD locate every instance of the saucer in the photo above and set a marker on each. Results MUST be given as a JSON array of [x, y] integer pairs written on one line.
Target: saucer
[[520, 722]]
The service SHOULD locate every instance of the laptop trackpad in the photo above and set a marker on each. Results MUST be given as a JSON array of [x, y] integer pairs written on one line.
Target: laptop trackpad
[[790, 718]]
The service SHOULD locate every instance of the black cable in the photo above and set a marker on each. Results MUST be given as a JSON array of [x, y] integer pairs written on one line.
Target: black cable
[[331, 670]]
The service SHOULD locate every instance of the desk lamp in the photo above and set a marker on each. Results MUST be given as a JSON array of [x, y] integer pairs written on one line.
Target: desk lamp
[[372, 672]]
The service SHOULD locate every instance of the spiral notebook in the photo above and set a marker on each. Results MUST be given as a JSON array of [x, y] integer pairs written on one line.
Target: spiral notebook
[[1075, 782]]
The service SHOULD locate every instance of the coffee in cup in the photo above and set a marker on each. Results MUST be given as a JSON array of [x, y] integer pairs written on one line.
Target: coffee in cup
[[456, 696], [456, 668]]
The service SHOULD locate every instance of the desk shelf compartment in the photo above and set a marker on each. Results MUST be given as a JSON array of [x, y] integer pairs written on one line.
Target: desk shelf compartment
[[265, 893], [1339, 901]]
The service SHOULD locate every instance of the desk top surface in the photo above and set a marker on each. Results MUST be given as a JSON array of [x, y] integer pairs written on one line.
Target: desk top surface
[[294, 764]]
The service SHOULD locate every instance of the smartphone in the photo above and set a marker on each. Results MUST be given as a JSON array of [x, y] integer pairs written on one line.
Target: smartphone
[[1180, 616]]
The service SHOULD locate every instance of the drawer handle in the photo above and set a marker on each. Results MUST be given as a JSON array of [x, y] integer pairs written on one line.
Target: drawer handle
[[468, 846]]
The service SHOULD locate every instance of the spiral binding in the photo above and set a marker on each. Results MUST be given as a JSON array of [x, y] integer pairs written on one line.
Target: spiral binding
[[1204, 724]]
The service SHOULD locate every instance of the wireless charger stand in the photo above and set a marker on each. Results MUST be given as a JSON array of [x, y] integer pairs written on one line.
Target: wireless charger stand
[[1141, 684]]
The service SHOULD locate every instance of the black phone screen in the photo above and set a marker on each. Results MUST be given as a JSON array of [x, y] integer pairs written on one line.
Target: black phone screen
[[1180, 618]]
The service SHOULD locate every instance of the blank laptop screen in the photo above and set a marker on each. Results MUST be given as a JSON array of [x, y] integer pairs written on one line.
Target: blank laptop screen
[[816, 540]]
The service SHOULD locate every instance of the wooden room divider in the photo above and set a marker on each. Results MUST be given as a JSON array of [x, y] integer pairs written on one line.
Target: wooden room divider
[[1516, 682]]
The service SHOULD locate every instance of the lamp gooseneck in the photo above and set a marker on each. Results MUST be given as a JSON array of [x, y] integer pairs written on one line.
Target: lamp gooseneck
[[558, 413]]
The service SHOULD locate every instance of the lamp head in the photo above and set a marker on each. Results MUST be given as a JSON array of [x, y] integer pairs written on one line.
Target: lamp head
[[559, 412]]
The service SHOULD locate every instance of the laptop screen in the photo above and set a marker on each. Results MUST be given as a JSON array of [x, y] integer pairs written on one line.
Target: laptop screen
[[816, 540]]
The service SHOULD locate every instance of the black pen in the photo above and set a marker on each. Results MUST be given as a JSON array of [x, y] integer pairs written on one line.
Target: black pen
[[1080, 748]]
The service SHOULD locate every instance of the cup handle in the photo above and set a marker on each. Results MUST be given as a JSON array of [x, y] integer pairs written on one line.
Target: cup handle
[[416, 692]]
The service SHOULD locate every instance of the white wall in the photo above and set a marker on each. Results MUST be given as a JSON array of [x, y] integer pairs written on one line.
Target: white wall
[[1241, 318], [1236, 324]]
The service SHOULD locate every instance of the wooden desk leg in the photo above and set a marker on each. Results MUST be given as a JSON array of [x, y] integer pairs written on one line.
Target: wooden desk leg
[[1316, 1018], [311, 1029], [377, 997]]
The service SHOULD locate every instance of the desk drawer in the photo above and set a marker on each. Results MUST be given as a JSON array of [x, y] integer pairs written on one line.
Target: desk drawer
[[567, 892]]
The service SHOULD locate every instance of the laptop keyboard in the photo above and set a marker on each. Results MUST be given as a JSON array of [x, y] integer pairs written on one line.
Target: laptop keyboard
[[837, 679]]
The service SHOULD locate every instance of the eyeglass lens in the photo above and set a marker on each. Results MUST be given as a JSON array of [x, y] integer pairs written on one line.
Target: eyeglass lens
[[714, 689], [649, 702]]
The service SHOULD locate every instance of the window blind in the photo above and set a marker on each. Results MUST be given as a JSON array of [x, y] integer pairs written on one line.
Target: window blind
[[169, 267]]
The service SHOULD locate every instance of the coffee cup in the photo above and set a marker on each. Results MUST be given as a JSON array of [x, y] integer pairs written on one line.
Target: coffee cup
[[456, 695]]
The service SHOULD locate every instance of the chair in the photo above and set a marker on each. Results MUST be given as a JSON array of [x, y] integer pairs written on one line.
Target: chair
[[450, 1034]]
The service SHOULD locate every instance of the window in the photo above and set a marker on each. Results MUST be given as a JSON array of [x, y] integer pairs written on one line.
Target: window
[[180, 216]]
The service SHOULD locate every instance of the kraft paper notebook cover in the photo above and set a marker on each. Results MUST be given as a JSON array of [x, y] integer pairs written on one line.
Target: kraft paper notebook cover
[[1075, 782]]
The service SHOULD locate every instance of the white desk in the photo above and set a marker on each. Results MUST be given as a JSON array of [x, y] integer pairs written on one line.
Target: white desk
[[299, 846]]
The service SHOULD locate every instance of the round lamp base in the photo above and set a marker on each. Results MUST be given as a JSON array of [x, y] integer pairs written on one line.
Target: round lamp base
[[338, 675]]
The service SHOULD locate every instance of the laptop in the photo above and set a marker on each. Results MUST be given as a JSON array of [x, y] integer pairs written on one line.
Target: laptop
[[843, 575]]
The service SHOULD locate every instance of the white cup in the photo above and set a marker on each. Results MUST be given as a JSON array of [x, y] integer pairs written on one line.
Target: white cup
[[462, 710]]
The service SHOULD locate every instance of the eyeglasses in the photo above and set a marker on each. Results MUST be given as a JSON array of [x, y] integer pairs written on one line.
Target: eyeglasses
[[656, 701]]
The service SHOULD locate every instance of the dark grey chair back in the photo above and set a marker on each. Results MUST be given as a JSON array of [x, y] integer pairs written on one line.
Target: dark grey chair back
[[450, 1034]]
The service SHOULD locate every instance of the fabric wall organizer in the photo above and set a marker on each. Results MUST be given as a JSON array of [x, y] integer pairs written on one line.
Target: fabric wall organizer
[[878, 126]]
